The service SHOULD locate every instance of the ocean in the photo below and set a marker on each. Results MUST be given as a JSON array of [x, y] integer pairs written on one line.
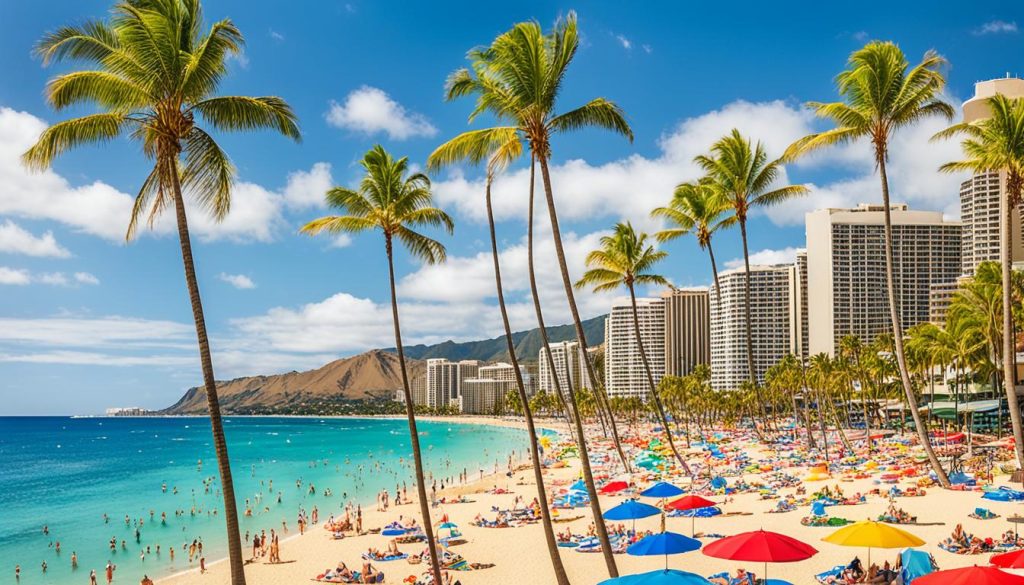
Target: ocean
[[67, 473]]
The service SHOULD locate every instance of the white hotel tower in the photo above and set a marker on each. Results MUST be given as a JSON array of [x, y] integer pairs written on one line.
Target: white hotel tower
[[623, 367]]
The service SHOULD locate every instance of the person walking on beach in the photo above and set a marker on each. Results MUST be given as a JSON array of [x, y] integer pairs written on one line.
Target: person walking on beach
[[202, 565], [255, 545]]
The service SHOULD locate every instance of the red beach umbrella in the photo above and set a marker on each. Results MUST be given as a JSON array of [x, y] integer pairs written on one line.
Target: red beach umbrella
[[690, 502], [760, 546], [970, 576], [1009, 560], [614, 487]]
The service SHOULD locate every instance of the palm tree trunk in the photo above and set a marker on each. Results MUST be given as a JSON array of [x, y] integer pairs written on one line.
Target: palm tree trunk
[[567, 284], [538, 476], [235, 559], [650, 380], [811, 444], [581, 440], [421, 484], [714, 273], [1009, 347], [897, 332]]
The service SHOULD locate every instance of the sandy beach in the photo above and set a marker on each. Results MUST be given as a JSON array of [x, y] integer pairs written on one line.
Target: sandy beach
[[519, 555]]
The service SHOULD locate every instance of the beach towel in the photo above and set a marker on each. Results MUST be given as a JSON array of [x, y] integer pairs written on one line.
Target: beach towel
[[916, 563], [386, 558]]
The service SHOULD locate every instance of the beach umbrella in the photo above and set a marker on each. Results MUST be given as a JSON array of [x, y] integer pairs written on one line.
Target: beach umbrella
[[690, 502], [760, 546], [663, 543], [661, 490], [394, 531], [970, 576], [631, 510], [614, 487], [871, 534], [1009, 560], [660, 577]]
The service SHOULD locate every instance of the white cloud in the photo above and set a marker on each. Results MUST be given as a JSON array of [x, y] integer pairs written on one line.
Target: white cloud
[[86, 278], [370, 110], [52, 278], [22, 277], [276, 36], [16, 240], [101, 210], [90, 358], [98, 332], [12, 276], [240, 57], [341, 241], [996, 27], [628, 188], [647, 48], [306, 189], [766, 257], [626, 43], [239, 281]]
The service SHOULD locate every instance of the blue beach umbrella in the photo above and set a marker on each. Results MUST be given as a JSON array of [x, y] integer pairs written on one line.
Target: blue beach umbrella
[[393, 532], [662, 490], [631, 510], [660, 577], [663, 543]]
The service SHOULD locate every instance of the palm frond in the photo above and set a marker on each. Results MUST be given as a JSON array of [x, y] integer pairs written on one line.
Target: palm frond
[[599, 113], [63, 136], [250, 113]]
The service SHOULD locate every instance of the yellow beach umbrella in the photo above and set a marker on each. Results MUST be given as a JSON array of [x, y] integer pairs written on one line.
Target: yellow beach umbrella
[[873, 534]]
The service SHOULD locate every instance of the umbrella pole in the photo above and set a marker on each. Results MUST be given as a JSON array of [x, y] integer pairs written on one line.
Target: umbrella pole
[[693, 526]]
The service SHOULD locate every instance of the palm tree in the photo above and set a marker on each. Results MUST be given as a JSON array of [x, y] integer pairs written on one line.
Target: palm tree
[[500, 150], [517, 79], [881, 96], [625, 258], [851, 348], [746, 178], [699, 209], [154, 78], [996, 143], [397, 203]]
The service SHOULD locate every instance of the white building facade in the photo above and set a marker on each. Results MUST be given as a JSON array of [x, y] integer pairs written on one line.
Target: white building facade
[[625, 375]]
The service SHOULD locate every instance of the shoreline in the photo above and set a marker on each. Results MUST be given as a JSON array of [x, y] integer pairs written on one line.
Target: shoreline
[[482, 420]]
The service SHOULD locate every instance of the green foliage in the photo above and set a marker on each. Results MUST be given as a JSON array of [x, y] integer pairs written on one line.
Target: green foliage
[[155, 75], [624, 259], [391, 200]]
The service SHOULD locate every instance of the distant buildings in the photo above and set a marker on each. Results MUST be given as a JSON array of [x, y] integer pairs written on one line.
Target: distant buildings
[[847, 292], [128, 411], [483, 393], [569, 367], [687, 330], [775, 322], [442, 381]]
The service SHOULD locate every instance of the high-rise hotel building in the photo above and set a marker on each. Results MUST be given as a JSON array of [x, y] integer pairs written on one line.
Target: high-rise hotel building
[[624, 371], [847, 292], [569, 367], [775, 322], [687, 330], [983, 196]]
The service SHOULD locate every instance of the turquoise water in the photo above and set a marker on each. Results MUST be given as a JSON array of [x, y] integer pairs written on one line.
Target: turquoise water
[[66, 473]]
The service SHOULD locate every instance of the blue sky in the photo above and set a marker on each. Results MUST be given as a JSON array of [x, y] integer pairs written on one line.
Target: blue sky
[[88, 322]]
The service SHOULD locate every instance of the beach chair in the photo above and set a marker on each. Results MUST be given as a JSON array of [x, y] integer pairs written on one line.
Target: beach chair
[[835, 571]]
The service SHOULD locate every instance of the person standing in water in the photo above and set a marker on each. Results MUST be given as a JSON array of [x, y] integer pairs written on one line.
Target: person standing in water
[[74, 560]]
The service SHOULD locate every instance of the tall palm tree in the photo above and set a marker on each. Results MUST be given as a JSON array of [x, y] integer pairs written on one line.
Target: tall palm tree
[[500, 148], [996, 143], [397, 203], [153, 71], [625, 258], [699, 209], [517, 79], [747, 179], [882, 94]]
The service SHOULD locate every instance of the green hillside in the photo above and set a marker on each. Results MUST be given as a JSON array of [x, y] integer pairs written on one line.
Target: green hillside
[[527, 344]]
